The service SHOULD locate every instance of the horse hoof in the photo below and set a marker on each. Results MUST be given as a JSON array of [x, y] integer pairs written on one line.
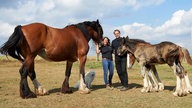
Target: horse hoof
[[41, 91], [86, 91], [161, 86], [180, 94], [143, 90], [175, 94], [188, 91], [30, 95], [66, 91], [155, 89]]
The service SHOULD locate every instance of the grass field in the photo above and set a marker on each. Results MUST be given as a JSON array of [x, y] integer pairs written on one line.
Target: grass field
[[51, 76]]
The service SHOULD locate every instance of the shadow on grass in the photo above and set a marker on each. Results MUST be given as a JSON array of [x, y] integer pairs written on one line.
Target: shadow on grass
[[170, 88], [115, 85], [58, 90], [96, 87]]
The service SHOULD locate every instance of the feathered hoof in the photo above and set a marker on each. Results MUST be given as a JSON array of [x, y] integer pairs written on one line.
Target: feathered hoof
[[161, 86], [29, 95], [188, 90], [180, 94], [85, 91], [41, 91], [145, 89]]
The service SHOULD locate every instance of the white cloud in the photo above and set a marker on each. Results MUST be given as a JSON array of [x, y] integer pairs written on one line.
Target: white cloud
[[178, 30], [180, 24], [6, 29]]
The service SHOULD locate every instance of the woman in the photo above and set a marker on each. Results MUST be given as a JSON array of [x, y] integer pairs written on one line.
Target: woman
[[107, 61]]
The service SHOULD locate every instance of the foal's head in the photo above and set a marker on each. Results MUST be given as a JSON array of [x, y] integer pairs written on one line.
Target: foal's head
[[122, 49]]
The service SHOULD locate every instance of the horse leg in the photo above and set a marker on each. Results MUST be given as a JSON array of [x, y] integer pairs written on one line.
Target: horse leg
[[65, 87], [184, 83], [25, 91], [178, 91], [145, 80], [152, 80], [188, 85], [83, 88], [38, 88], [160, 84]]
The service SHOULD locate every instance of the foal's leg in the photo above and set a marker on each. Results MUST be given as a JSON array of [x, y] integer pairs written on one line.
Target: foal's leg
[[160, 84], [65, 87], [178, 91], [152, 80], [38, 88], [188, 85], [25, 91], [145, 80], [83, 88]]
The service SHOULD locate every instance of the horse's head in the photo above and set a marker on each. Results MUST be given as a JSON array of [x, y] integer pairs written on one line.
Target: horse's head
[[96, 31], [123, 48]]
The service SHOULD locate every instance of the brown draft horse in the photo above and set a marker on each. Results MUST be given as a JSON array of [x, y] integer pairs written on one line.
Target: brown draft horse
[[164, 52], [67, 44]]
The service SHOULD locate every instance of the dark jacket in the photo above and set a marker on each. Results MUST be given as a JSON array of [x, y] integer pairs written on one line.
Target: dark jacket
[[115, 44]]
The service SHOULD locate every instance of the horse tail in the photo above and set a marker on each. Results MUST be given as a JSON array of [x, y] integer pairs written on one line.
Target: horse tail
[[186, 55], [12, 46]]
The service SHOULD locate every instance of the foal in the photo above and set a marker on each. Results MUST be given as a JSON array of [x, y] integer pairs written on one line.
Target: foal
[[164, 52]]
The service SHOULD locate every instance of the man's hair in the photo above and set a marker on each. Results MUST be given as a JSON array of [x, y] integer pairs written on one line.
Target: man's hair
[[116, 30]]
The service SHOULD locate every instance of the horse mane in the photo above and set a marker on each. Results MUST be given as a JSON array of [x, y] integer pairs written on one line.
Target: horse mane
[[138, 41], [132, 42]]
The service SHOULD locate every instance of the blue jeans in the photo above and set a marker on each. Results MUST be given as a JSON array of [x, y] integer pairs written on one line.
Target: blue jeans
[[108, 66]]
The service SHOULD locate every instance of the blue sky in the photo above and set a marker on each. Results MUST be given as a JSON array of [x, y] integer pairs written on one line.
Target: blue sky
[[151, 20]]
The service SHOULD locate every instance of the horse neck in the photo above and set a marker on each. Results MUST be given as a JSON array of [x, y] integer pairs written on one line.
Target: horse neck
[[84, 30], [131, 47]]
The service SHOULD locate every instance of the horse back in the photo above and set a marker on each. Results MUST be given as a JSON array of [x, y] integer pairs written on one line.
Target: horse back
[[54, 43], [157, 53]]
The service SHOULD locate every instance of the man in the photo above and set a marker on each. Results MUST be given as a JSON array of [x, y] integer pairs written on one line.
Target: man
[[120, 62]]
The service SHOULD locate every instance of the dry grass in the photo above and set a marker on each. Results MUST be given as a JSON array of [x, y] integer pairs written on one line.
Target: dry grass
[[51, 76]]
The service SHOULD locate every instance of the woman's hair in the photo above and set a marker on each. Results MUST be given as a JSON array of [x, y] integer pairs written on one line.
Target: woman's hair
[[107, 39]]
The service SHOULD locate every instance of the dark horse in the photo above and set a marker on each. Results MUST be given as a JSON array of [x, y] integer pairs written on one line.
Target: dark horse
[[164, 52], [67, 44]]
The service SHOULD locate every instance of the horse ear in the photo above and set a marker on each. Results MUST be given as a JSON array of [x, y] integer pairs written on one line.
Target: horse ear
[[127, 38], [98, 21]]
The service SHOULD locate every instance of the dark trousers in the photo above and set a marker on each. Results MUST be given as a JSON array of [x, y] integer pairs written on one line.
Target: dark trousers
[[121, 67]]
